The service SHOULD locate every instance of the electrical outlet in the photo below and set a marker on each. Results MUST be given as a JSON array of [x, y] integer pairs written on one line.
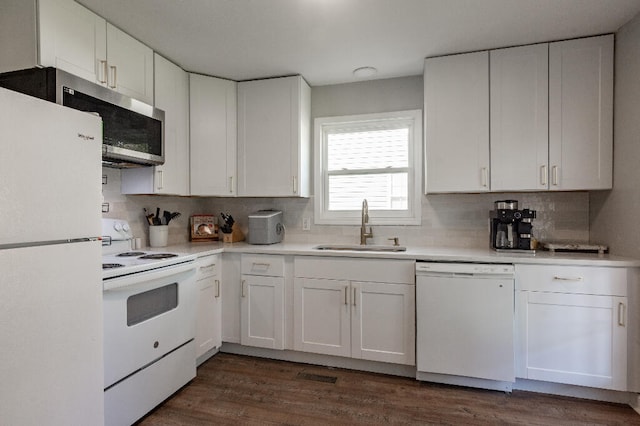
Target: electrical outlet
[[306, 224]]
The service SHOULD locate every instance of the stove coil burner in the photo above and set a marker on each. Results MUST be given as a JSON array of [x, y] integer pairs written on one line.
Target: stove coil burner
[[111, 265], [131, 254], [159, 256]]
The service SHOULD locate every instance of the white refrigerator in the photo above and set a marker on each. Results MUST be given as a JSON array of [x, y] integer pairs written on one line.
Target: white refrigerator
[[51, 359]]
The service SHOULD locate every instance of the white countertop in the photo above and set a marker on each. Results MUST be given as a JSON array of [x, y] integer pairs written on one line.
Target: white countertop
[[441, 254]]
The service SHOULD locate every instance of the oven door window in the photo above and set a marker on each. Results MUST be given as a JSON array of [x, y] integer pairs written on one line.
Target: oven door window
[[150, 304]]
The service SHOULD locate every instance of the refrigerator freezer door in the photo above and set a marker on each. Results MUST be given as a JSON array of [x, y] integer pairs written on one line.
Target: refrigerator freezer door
[[50, 171], [51, 362]]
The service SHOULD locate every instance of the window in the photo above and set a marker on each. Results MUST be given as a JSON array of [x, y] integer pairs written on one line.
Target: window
[[372, 156]]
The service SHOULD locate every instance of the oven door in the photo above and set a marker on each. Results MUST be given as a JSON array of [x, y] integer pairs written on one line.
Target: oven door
[[146, 316]]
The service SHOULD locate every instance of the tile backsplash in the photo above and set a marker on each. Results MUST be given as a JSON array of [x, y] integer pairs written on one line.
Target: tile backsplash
[[451, 220]]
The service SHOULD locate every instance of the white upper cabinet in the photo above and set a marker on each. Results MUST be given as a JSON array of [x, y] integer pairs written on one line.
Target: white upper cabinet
[[551, 118], [274, 137], [581, 113], [128, 66], [68, 36], [71, 38], [519, 118], [172, 177], [213, 136], [456, 97]]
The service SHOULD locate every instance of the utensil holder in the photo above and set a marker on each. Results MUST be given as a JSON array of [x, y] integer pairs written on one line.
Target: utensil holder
[[158, 235]]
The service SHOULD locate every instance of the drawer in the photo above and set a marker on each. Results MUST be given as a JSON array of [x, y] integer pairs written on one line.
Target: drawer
[[265, 265], [572, 279], [344, 268], [207, 266]]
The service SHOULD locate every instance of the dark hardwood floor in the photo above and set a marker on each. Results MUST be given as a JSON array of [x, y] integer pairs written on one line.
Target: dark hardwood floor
[[240, 390]]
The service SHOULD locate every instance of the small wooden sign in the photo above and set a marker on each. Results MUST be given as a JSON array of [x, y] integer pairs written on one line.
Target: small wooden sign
[[204, 227]]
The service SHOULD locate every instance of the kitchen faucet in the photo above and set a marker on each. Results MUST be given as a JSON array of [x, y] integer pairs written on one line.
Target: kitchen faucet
[[365, 219]]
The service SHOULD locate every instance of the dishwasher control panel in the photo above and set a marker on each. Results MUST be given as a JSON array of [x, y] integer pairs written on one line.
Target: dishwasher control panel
[[464, 268]]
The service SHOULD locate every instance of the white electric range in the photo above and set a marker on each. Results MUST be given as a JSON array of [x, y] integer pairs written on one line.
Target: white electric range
[[149, 306]]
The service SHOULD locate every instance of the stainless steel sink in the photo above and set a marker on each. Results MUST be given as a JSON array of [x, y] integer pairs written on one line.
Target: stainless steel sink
[[357, 247]]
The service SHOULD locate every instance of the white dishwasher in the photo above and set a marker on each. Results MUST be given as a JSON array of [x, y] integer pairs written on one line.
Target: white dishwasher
[[465, 324]]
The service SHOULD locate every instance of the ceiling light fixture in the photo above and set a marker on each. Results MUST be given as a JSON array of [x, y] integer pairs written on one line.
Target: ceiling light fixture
[[364, 72]]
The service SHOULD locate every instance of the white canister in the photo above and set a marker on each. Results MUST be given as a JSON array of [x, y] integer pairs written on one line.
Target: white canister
[[158, 235]]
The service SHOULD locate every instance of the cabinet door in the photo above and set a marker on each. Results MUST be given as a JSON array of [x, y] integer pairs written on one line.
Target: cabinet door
[[262, 311], [520, 118], [273, 137], [213, 136], [578, 339], [172, 177], [130, 65], [383, 322], [231, 294], [456, 97], [322, 316], [581, 113], [208, 323], [72, 38], [208, 318]]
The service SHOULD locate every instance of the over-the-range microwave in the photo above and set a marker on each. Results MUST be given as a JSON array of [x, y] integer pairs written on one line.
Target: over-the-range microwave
[[133, 132]]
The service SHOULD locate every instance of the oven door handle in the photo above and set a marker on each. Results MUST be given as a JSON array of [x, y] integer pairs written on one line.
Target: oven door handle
[[127, 282]]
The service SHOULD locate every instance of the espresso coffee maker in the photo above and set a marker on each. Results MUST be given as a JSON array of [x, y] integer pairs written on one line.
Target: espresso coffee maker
[[510, 227]]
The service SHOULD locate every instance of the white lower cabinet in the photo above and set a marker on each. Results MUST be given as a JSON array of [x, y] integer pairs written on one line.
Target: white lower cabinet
[[572, 325], [231, 281], [360, 308], [262, 301], [209, 315]]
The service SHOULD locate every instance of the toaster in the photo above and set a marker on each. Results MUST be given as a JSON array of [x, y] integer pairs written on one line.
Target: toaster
[[265, 227]]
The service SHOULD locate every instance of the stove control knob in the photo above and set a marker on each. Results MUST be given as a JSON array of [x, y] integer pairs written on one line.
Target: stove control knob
[[126, 228], [117, 226]]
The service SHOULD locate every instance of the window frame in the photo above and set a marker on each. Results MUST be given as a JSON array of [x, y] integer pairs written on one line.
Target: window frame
[[413, 214]]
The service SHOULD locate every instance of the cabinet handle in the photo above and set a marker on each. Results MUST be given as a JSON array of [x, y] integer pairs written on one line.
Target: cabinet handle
[[295, 184], [230, 184], [103, 76], [485, 177], [354, 296], [160, 179], [574, 279], [554, 175], [217, 288], [621, 314], [346, 302], [261, 265], [207, 267], [242, 283], [543, 175], [113, 84]]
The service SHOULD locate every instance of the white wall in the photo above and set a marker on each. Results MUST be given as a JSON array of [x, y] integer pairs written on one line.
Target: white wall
[[613, 212]]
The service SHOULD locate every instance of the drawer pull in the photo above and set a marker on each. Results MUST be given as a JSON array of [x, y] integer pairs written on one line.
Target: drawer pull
[[207, 267], [261, 265], [621, 314], [573, 279]]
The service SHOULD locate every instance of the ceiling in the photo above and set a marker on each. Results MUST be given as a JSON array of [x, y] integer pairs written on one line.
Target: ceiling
[[325, 40]]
